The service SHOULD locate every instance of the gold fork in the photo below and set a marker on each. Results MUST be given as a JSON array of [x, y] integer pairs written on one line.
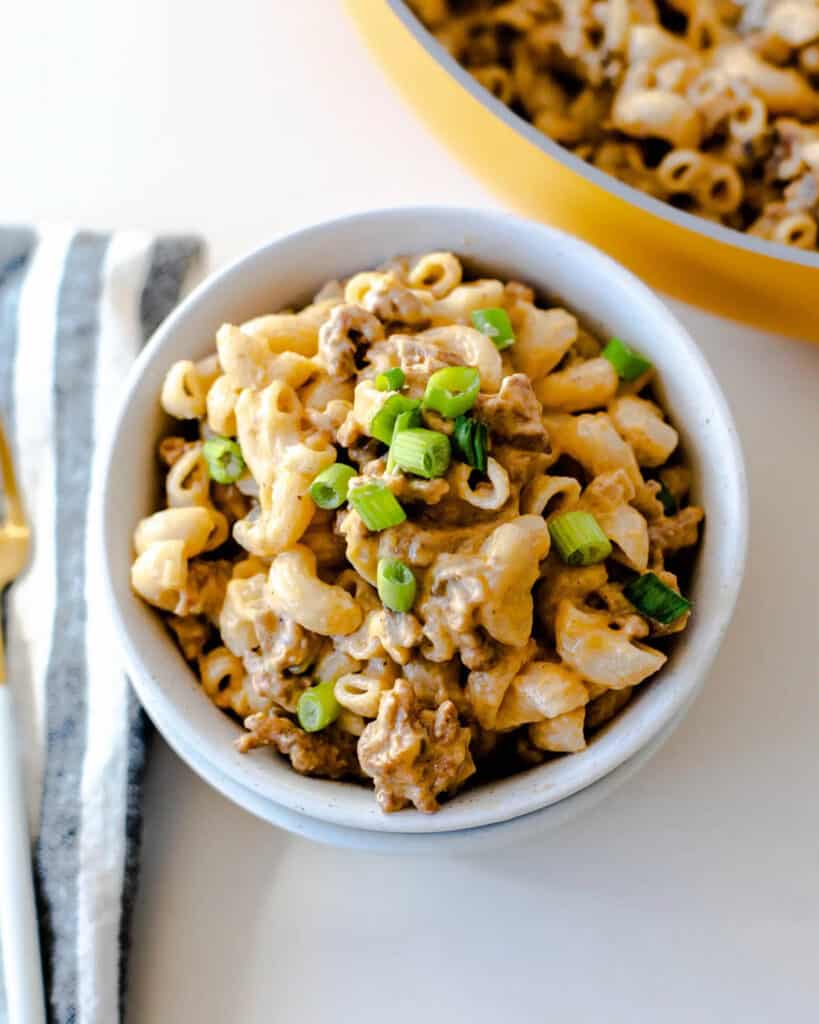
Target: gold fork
[[18, 920]]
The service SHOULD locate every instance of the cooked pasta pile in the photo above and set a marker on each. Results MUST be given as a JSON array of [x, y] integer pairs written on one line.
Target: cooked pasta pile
[[710, 105], [420, 532]]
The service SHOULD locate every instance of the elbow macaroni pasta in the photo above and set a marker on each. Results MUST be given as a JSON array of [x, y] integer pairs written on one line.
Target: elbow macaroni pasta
[[505, 650], [297, 590]]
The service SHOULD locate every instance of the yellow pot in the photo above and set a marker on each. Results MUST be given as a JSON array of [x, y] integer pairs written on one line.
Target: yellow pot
[[770, 285]]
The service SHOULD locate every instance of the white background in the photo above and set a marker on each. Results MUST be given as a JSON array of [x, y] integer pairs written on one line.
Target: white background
[[693, 894]]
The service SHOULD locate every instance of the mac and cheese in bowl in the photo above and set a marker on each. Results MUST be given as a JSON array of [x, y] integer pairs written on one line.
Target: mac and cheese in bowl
[[709, 105], [425, 531]]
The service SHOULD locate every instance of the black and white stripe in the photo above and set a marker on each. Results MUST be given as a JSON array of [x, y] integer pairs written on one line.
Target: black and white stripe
[[74, 310], [58, 857], [103, 873]]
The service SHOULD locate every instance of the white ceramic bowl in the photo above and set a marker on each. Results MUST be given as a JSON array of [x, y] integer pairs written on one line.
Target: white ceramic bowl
[[288, 271]]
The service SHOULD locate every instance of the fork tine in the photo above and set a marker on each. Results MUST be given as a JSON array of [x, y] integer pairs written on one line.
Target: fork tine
[[14, 506]]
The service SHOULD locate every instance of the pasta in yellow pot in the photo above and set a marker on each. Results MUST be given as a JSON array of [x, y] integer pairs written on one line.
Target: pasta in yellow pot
[[694, 103]]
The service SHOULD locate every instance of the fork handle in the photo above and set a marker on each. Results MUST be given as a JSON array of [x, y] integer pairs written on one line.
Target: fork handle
[[22, 967]]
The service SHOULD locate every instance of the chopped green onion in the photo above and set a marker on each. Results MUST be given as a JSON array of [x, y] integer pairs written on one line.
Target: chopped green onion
[[471, 439], [377, 506], [404, 421], [224, 460], [667, 500], [651, 597], [396, 585], [383, 423], [628, 363], [579, 539], [495, 324], [452, 390], [425, 453], [329, 489], [301, 667], [318, 707], [390, 380]]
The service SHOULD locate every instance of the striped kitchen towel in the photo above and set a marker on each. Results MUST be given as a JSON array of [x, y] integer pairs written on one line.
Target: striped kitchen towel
[[75, 307]]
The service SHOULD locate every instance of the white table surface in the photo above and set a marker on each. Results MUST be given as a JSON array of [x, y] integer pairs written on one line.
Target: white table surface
[[693, 894]]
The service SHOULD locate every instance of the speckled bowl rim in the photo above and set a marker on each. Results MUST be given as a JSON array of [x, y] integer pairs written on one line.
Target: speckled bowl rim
[[462, 842]]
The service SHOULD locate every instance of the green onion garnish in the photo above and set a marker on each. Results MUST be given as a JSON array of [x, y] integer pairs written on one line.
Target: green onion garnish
[[377, 506], [667, 500], [651, 597], [425, 453], [329, 489], [318, 707], [471, 440], [224, 459], [383, 423], [494, 323], [452, 390], [403, 421], [396, 585], [579, 539], [390, 380], [628, 363]]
